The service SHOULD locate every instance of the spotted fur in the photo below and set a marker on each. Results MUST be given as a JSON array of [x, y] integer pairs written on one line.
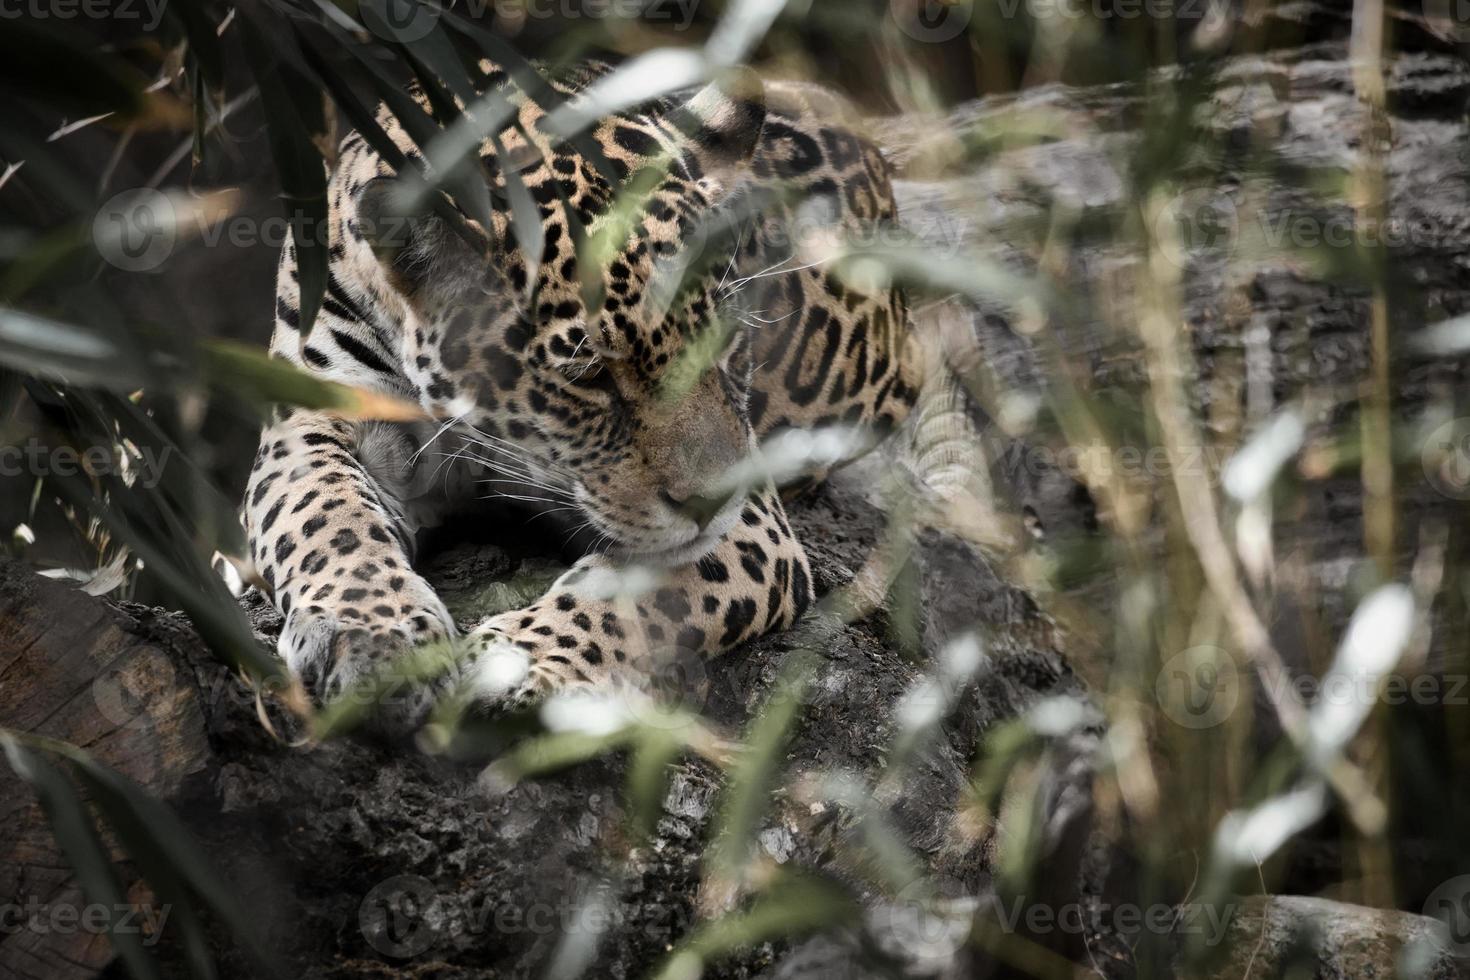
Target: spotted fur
[[593, 414]]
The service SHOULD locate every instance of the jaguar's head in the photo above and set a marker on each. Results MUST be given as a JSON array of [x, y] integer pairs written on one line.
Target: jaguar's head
[[617, 387]]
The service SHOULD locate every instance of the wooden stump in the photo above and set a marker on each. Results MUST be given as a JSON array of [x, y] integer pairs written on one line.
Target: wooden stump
[[71, 669]]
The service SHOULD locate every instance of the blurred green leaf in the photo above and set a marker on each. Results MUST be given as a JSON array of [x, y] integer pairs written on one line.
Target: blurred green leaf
[[640, 80], [372, 692], [529, 79], [416, 122], [792, 905], [291, 106], [648, 778], [76, 834], [436, 60], [437, 64], [198, 24], [59, 351], [906, 260], [747, 794], [251, 373], [150, 524], [163, 851], [552, 752]]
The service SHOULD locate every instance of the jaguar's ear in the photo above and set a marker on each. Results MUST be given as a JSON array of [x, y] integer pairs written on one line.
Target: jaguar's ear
[[722, 122], [425, 257]]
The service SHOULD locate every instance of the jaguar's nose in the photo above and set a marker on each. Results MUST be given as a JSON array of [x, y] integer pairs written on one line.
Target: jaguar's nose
[[700, 508]]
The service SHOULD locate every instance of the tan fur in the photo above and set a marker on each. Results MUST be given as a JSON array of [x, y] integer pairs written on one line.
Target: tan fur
[[570, 407]]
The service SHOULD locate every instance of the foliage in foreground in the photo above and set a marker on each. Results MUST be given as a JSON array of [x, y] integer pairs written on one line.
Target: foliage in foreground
[[1186, 562]]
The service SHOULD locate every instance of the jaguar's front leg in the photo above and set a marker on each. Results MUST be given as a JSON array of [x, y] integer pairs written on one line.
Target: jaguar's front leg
[[329, 539], [756, 580]]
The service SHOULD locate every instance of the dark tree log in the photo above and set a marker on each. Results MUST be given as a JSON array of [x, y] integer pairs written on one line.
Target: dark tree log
[[75, 669], [326, 844]]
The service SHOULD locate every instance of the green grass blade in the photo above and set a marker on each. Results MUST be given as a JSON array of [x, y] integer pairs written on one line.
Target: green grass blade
[[77, 836]]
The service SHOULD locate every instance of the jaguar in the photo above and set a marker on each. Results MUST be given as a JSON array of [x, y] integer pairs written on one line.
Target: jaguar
[[622, 380]]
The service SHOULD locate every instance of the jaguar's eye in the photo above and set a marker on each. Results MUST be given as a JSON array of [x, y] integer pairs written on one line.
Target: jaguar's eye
[[589, 373]]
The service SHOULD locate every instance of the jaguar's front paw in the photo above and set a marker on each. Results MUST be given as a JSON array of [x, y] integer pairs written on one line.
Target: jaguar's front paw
[[383, 647], [519, 658], [497, 670]]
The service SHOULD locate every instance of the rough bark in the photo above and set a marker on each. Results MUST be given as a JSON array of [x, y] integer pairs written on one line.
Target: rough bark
[[323, 843], [74, 669]]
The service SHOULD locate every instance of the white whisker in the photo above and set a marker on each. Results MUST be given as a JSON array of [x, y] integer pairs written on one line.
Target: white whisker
[[768, 271], [432, 439]]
